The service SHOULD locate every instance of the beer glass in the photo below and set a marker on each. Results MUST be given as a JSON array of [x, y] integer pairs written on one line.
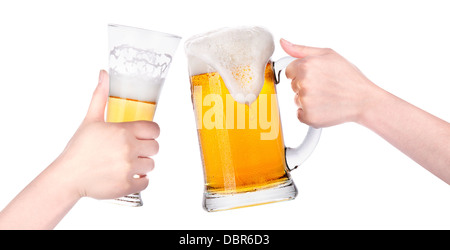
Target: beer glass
[[138, 64], [244, 158]]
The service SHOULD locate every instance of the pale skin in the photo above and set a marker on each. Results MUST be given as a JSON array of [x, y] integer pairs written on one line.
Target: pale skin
[[102, 161], [330, 91], [106, 161]]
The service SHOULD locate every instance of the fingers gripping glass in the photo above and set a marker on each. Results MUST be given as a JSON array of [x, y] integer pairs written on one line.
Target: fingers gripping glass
[[245, 161], [139, 61]]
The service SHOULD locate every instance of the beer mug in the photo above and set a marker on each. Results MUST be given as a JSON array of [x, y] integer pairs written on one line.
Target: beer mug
[[244, 158], [138, 64]]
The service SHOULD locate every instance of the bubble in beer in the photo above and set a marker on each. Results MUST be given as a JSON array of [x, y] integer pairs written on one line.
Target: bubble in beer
[[137, 74], [238, 54]]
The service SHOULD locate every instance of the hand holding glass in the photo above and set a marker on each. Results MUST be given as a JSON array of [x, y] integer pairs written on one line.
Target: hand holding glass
[[138, 64]]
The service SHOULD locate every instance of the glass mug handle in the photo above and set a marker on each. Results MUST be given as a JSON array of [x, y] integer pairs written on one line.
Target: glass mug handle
[[296, 156]]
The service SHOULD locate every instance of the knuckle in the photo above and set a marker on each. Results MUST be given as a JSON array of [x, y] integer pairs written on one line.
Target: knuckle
[[121, 133], [151, 164], [151, 129], [328, 51], [155, 147], [305, 114], [127, 167], [314, 124], [126, 150], [145, 183], [308, 103], [300, 115], [156, 129], [121, 130], [295, 85], [312, 63], [303, 66], [312, 120], [291, 70], [304, 90], [296, 98], [127, 187]]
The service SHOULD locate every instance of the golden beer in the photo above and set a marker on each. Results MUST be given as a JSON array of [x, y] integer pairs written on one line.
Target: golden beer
[[139, 61], [127, 110], [243, 149], [245, 161]]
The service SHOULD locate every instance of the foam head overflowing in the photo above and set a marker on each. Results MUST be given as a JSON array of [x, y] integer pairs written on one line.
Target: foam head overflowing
[[137, 74], [239, 55]]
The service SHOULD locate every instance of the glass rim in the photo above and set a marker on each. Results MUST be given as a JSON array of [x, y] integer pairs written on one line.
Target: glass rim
[[112, 25]]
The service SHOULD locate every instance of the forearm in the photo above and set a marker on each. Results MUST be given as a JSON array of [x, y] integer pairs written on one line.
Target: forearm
[[40, 205], [418, 134]]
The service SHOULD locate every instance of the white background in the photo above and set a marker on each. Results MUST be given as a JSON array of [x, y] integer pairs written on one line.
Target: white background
[[51, 53]]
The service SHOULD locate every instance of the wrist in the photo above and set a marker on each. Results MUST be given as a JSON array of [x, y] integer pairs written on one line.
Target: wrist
[[372, 99], [60, 175]]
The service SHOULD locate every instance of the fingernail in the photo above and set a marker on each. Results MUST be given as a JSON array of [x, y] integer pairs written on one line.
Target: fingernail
[[286, 42], [101, 77]]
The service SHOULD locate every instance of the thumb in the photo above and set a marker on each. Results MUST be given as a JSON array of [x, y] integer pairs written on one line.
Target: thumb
[[96, 111], [300, 51]]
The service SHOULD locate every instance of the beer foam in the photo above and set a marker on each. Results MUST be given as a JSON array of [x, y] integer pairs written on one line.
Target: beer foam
[[238, 54], [137, 74]]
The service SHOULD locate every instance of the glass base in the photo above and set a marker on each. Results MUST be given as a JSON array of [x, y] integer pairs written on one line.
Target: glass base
[[213, 202], [132, 200]]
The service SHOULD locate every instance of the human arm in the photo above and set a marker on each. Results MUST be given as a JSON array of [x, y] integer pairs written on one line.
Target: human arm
[[102, 160], [330, 91]]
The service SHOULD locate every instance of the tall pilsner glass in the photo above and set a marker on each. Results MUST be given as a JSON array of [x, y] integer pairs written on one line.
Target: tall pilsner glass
[[138, 64]]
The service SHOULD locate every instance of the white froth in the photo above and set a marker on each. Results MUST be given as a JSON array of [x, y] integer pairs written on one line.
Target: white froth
[[136, 88], [137, 74], [239, 55]]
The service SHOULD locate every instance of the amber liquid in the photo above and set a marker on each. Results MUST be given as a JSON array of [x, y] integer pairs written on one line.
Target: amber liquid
[[127, 110], [236, 159]]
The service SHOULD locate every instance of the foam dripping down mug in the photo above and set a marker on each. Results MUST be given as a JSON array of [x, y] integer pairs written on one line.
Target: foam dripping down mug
[[245, 161]]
